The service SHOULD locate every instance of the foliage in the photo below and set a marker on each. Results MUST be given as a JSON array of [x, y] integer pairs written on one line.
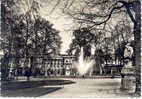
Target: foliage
[[26, 35]]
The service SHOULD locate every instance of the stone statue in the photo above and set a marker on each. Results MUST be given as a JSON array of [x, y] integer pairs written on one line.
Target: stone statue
[[128, 53], [128, 71]]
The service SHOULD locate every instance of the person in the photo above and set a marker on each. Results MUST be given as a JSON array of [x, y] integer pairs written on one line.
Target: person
[[83, 76], [16, 73], [28, 74]]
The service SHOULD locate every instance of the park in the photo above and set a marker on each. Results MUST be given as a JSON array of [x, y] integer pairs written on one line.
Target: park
[[70, 49]]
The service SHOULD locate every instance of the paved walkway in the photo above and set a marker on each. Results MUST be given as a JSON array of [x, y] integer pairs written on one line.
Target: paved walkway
[[65, 88], [90, 88]]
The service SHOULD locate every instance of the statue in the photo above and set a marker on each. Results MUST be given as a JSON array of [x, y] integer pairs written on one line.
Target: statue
[[128, 72], [128, 53]]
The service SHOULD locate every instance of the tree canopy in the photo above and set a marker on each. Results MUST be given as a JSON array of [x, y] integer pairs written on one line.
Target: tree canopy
[[26, 35]]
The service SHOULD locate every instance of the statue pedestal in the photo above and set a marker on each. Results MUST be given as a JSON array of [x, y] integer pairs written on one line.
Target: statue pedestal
[[128, 81]]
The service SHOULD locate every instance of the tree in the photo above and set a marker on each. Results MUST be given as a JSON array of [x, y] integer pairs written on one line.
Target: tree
[[7, 34], [101, 12], [82, 38], [121, 33], [99, 58], [26, 35], [119, 52]]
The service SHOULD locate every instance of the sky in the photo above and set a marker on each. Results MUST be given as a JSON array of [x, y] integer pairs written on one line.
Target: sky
[[61, 22]]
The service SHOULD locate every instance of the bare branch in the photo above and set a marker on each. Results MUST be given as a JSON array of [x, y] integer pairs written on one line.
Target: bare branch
[[58, 2]]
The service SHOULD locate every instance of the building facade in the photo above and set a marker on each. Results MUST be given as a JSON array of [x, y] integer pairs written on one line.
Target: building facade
[[59, 65]]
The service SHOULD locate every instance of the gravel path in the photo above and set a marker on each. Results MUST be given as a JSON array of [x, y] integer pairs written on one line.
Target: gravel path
[[90, 88]]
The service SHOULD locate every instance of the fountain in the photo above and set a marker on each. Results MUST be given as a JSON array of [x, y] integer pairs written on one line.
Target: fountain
[[83, 65]]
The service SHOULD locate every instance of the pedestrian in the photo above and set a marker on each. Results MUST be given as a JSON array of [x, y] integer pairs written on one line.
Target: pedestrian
[[28, 74], [83, 76]]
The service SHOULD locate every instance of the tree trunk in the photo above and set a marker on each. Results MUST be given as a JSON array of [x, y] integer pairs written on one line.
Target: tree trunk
[[137, 49]]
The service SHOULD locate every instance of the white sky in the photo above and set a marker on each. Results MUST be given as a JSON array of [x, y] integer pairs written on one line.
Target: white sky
[[61, 23]]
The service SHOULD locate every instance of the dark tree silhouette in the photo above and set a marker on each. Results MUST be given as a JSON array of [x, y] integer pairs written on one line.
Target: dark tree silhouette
[[26, 35]]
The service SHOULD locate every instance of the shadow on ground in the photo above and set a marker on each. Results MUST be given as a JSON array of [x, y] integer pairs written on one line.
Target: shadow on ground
[[31, 88], [30, 92]]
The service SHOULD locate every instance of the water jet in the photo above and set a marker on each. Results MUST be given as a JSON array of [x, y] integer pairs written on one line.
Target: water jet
[[83, 65]]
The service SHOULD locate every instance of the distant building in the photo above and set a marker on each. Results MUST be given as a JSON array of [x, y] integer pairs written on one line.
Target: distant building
[[68, 64], [59, 65]]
